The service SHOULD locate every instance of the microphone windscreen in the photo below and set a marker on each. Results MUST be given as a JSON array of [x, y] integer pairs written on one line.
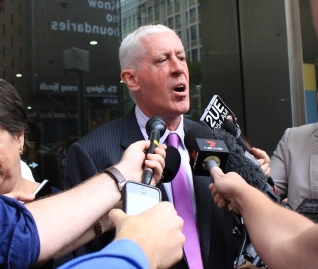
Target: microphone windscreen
[[236, 162], [172, 164]]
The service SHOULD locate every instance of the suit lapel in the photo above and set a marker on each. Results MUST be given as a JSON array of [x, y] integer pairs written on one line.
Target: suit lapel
[[131, 130]]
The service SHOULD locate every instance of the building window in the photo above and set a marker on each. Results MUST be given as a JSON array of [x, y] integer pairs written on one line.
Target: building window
[[170, 22], [192, 2], [178, 19], [169, 3], [192, 13], [193, 30], [195, 55], [179, 33]]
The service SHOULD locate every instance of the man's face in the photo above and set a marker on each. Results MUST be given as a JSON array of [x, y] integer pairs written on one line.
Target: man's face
[[163, 77]]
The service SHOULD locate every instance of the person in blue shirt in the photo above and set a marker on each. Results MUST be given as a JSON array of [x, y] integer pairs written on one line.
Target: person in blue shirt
[[34, 232]]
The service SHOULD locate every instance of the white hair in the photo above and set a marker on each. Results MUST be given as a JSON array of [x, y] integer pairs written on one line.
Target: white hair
[[131, 49]]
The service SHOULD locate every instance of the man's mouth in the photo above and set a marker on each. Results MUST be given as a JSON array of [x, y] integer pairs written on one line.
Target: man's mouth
[[180, 88]]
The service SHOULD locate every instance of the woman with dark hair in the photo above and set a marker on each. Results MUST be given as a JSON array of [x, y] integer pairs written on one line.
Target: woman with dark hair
[[13, 127]]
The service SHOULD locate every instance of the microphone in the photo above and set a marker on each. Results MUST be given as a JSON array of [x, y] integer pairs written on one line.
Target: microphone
[[215, 113], [205, 152], [215, 117], [236, 161], [172, 165], [234, 130], [155, 128]]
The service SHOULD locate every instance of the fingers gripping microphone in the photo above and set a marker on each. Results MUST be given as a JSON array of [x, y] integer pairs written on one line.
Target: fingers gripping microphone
[[155, 128], [216, 116], [172, 165], [236, 162]]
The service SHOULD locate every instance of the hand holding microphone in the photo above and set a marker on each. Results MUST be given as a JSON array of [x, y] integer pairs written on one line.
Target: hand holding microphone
[[155, 128], [216, 116], [235, 162], [223, 188]]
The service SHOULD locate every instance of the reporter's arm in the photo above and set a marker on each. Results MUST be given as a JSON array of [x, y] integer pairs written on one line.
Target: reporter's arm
[[69, 216], [152, 239], [72, 213], [282, 238]]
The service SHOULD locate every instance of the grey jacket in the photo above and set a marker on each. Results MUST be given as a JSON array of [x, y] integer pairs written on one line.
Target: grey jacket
[[294, 164]]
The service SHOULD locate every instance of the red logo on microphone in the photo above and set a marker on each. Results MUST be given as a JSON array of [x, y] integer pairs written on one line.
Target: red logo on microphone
[[211, 143]]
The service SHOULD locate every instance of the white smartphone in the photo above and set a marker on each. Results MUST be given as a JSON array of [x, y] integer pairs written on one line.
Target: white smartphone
[[138, 197], [43, 189]]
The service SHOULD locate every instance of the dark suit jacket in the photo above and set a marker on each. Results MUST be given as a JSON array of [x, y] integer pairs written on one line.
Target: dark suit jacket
[[104, 147]]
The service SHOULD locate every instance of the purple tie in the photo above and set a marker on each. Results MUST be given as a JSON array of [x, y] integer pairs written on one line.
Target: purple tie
[[183, 204]]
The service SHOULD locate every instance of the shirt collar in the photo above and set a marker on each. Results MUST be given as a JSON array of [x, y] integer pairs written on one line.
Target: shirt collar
[[142, 119]]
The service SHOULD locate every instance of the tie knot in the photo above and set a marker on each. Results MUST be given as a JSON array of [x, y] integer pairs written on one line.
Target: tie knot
[[173, 140]]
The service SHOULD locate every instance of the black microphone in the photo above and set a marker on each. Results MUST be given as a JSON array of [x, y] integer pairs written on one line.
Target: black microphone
[[155, 128], [215, 117], [203, 151], [172, 165], [236, 161], [215, 113], [234, 130]]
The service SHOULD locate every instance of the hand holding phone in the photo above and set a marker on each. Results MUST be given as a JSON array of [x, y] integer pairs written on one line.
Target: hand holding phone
[[138, 197]]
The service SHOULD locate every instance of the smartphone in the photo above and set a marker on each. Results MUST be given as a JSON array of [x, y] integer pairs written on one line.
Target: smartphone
[[138, 197], [43, 189]]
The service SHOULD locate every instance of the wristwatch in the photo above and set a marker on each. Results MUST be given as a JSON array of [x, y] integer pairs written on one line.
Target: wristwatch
[[114, 173]]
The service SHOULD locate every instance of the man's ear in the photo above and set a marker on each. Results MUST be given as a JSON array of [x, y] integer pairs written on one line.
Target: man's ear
[[130, 79]]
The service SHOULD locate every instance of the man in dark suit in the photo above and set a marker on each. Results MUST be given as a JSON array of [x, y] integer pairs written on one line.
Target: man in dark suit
[[154, 68]]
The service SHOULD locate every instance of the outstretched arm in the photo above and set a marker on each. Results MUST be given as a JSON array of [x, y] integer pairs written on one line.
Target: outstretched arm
[[69, 216], [282, 238]]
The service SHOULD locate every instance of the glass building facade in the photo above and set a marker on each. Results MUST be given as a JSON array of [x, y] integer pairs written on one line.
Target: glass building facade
[[62, 56]]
